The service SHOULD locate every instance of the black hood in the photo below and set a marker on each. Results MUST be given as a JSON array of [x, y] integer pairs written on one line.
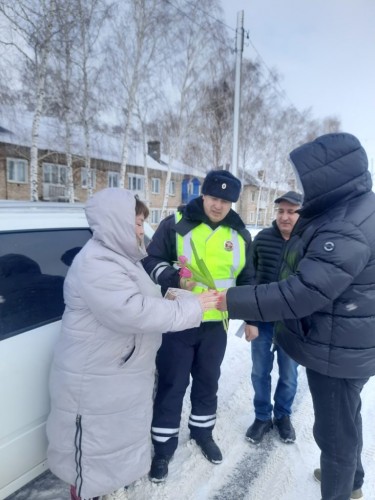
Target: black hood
[[333, 168]]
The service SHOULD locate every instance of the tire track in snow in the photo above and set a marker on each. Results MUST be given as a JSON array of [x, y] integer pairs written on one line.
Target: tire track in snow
[[269, 472]]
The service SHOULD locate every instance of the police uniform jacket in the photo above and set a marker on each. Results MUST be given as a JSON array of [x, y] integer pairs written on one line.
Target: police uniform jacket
[[162, 251]]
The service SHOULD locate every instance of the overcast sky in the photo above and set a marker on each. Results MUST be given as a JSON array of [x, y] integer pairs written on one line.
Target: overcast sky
[[324, 51]]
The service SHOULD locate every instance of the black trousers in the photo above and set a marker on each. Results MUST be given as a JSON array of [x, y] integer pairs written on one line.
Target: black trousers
[[198, 352], [338, 433]]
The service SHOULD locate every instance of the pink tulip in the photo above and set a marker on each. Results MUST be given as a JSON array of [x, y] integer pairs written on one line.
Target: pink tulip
[[182, 260], [185, 273]]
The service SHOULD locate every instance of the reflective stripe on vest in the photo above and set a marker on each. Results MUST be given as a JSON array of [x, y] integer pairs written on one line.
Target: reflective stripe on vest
[[223, 248]]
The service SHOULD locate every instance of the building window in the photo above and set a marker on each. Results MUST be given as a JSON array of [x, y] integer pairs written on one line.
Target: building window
[[264, 195], [155, 215], [252, 217], [55, 174], [155, 185], [172, 188], [17, 170], [136, 182], [253, 193], [84, 182], [113, 179], [190, 189]]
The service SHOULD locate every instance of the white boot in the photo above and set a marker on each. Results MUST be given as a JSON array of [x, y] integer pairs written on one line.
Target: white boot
[[120, 494]]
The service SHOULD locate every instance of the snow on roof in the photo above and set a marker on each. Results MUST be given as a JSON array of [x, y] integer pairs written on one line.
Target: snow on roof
[[16, 125]]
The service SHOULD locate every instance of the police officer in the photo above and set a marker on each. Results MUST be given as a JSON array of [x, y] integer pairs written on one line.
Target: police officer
[[219, 238]]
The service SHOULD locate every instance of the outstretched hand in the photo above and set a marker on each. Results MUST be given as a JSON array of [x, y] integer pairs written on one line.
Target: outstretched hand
[[222, 301], [208, 300]]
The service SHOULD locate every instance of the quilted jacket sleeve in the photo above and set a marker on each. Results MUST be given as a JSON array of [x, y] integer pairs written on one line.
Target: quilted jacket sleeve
[[334, 257]]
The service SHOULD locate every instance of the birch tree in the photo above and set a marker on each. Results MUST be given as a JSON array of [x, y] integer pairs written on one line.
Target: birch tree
[[134, 54], [73, 77], [31, 28], [8, 81], [143, 107], [64, 83], [214, 117], [142, 118], [195, 46], [91, 17]]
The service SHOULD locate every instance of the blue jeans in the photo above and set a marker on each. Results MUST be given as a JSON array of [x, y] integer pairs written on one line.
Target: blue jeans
[[338, 432], [262, 357]]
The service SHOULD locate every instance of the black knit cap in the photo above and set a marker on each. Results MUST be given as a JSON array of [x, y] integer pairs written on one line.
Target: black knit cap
[[291, 197], [222, 184]]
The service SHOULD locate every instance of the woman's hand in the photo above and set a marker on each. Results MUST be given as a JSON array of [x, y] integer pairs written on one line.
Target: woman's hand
[[208, 300]]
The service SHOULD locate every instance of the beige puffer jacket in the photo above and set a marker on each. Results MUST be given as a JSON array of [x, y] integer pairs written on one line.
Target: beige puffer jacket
[[102, 375]]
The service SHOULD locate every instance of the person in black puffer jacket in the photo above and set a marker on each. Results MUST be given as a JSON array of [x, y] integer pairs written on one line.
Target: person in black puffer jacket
[[267, 252], [327, 303]]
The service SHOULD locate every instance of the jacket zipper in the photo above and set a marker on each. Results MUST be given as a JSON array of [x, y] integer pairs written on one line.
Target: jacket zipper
[[78, 454]]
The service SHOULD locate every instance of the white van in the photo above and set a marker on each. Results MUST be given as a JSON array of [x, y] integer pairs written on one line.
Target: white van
[[38, 242]]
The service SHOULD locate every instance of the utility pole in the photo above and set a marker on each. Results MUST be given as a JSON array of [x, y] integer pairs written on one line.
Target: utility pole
[[237, 90]]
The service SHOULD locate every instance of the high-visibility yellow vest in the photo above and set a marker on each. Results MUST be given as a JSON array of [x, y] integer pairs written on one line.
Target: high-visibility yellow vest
[[224, 252]]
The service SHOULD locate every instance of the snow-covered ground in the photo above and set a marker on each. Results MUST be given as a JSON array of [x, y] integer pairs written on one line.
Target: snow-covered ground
[[271, 470]]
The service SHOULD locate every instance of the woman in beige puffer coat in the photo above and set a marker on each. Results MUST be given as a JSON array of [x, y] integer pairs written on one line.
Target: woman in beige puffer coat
[[102, 375]]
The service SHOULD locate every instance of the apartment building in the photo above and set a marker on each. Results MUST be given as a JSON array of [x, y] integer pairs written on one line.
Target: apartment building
[[255, 204]]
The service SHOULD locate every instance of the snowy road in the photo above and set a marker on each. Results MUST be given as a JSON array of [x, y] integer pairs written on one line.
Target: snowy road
[[272, 470]]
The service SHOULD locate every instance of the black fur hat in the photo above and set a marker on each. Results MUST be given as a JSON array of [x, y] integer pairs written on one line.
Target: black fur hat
[[222, 184]]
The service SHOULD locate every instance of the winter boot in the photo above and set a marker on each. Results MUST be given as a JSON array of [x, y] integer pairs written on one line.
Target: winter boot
[[356, 494], [159, 468], [210, 449], [286, 430], [255, 433]]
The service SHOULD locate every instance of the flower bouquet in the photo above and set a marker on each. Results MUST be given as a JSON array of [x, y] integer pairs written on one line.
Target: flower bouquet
[[201, 275]]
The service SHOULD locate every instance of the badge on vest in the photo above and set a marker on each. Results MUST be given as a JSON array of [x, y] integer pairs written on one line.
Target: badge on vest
[[228, 246]]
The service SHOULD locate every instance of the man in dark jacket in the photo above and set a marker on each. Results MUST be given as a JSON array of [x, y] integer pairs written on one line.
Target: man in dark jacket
[[327, 303], [267, 251], [219, 237]]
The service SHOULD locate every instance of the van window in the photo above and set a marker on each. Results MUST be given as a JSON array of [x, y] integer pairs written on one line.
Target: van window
[[33, 265]]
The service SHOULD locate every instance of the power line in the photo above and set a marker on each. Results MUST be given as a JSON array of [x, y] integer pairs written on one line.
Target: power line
[[191, 19], [219, 21], [275, 84]]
